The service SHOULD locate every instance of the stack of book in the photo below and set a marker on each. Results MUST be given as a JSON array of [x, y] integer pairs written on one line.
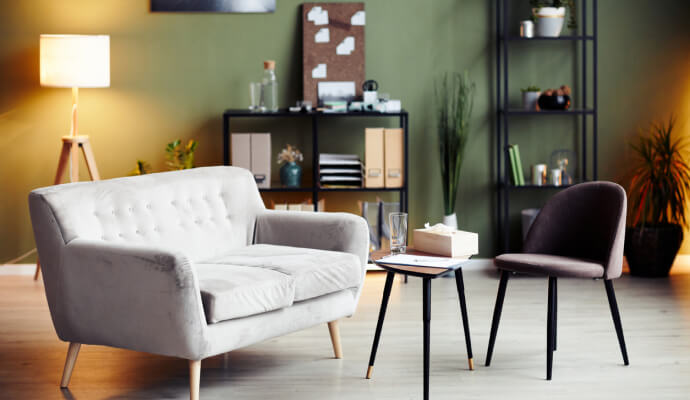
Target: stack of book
[[518, 176], [340, 171]]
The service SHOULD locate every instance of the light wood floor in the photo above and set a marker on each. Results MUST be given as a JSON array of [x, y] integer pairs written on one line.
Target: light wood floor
[[587, 365]]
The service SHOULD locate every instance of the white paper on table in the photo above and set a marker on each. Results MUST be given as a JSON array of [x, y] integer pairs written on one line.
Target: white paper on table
[[423, 261]]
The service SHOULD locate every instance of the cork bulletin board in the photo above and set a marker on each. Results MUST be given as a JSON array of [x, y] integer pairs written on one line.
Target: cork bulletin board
[[332, 46]]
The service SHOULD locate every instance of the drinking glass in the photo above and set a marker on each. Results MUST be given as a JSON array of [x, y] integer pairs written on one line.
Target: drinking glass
[[254, 95], [398, 226]]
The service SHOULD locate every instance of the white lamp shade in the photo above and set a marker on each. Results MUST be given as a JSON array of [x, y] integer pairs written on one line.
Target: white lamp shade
[[81, 61]]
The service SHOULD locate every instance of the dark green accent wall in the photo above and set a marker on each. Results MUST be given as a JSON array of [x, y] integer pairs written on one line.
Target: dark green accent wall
[[173, 75]]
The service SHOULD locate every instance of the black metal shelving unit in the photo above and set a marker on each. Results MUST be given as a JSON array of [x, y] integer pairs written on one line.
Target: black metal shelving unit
[[587, 107], [315, 117]]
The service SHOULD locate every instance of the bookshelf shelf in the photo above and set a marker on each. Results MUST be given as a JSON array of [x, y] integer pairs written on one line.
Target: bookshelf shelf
[[584, 44]]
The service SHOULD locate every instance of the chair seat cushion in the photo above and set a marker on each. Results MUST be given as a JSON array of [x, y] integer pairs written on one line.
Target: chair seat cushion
[[233, 291], [544, 264], [315, 272]]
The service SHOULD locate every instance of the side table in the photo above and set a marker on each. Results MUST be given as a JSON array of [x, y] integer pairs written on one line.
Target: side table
[[427, 274]]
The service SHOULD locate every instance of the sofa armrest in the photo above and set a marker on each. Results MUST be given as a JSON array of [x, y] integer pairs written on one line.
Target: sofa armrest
[[344, 232], [131, 296]]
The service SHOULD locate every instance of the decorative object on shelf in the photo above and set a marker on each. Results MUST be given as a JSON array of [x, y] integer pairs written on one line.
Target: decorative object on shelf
[[370, 92], [658, 196], [225, 6], [527, 29], [290, 172], [455, 97], [180, 156], [269, 88], [530, 96], [332, 46], [549, 15], [539, 174], [555, 177], [565, 161], [555, 99]]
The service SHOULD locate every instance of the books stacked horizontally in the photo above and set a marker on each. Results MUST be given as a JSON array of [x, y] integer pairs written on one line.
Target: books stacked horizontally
[[340, 171], [517, 175]]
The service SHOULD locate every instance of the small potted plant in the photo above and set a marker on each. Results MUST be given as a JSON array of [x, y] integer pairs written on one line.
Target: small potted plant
[[549, 16], [658, 198], [290, 172], [530, 95], [180, 156]]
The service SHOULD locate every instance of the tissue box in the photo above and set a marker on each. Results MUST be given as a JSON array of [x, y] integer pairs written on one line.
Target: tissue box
[[449, 243]]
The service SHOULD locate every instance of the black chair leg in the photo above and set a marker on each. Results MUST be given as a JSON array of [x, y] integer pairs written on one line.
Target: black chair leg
[[427, 322], [550, 327], [497, 314], [382, 314], [459, 283], [613, 304], [555, 314]]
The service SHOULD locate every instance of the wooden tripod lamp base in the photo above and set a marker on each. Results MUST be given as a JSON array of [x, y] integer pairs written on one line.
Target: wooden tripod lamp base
[[70, 149]]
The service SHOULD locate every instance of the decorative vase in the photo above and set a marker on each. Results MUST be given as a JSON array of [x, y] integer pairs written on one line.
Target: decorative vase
[[651, 250], [450, 220], [529, 100], [291, 175], [549, 21]]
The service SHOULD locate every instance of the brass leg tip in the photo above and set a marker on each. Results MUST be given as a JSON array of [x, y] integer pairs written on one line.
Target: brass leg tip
[[369, 371], [470, 362]]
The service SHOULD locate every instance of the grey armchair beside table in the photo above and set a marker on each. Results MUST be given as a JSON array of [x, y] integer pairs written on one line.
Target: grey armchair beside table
[[190, 264]]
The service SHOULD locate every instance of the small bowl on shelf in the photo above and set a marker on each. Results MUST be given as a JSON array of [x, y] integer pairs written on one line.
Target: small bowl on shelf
[[554, 102]]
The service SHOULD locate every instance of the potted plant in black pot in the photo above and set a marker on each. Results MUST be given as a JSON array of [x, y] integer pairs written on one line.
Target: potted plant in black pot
[[658, 197]]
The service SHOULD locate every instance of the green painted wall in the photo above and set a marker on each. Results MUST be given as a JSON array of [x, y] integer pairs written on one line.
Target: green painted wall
[[173, 75]]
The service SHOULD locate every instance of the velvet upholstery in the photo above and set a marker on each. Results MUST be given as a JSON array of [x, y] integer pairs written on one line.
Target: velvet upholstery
[[578, 233], [126, 261]]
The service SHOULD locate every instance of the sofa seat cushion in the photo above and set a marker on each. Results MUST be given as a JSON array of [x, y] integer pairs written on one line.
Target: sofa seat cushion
[[234, 291], [315, 272]]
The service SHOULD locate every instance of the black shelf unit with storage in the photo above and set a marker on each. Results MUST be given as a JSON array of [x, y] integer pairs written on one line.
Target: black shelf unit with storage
[[586, 40], [315, 117]]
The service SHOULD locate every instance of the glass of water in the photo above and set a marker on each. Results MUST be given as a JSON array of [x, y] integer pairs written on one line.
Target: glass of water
[[254, 96], [398, 225]]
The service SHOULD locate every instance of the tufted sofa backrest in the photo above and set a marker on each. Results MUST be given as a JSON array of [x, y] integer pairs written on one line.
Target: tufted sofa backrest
[[200, 212]]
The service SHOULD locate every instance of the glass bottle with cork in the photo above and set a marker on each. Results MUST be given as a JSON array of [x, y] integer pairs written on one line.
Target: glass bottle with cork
[[269, 88]]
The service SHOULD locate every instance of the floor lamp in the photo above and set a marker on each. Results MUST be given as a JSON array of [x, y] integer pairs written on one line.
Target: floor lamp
[[75, 61]]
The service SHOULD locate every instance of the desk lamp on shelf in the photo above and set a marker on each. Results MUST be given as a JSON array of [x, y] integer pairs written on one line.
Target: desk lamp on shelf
[[75, 61]]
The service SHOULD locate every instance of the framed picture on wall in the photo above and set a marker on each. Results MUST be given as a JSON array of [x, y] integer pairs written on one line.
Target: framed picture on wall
[[220, 6]]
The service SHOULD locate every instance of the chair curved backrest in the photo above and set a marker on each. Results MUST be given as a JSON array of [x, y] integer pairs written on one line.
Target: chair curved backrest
[[584, 221]]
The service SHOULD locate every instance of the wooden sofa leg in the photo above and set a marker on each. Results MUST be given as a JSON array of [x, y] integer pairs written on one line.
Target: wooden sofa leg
[[194, 379], [335, 338], [72, 353]]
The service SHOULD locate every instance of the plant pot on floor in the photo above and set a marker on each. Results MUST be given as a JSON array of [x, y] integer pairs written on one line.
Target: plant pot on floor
[[650, 250], [291, 175]]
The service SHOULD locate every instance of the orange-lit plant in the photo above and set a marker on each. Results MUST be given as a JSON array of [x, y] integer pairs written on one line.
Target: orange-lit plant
[[661, 179]]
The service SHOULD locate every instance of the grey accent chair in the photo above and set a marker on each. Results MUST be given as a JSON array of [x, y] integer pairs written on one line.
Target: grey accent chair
[[578, 234], [190, 264]]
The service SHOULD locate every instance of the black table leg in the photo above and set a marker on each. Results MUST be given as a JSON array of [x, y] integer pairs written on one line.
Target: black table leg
[[379, 325], [497, 314], [550, 327], [555, 314], [459, 283], [427, 322]]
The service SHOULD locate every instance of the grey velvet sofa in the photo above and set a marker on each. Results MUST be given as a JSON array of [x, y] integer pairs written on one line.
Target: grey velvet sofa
[[190, 264]]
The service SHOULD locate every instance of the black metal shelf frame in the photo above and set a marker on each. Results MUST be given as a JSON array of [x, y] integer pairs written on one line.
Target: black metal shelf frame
[[315, 116], [504, 113]]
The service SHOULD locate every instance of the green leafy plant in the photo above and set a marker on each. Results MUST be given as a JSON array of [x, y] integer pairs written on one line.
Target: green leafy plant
[[142, 168], [455, 97], [180, 156], [661, 179], [569, 4], [531, 88]]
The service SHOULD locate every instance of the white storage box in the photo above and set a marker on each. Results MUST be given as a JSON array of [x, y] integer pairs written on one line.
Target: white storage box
[[443, 240]]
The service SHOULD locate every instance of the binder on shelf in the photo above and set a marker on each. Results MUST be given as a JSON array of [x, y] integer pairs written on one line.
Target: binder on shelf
[[261, 159], [252, 151], [513, 166], [393, 158], [373, 158]]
